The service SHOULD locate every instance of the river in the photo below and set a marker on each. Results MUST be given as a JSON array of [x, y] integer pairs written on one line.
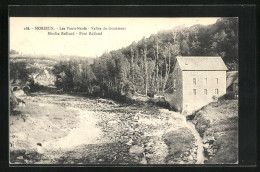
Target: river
[[200, 151]]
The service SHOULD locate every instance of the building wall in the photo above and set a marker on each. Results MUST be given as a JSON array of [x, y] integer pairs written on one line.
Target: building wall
[[174, 95], [192, 102]]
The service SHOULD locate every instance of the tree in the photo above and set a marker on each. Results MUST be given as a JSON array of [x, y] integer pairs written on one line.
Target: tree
[[157, 65], [144, 52], [132, 64], [86, 78], [13, 52], [225, 41], [19, 72], [147, 65]]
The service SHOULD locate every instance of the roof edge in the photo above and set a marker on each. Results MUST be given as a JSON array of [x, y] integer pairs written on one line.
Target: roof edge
[[205, 70], [199, 56]]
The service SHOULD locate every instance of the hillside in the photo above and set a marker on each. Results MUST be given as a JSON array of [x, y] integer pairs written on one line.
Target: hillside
[[47, 59], [217, 124], [147, 65]]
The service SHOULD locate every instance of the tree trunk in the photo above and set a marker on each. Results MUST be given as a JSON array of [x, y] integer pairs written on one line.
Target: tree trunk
[[145, 70], [167, 67], [157, 69], [166, 73], [160, 84], [132, 66]]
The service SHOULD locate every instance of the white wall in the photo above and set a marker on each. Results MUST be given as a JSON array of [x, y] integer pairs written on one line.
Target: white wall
[[193, 102]]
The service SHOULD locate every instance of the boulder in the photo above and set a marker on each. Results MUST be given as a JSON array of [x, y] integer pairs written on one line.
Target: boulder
[[206, 146], [190, 158], [186, 153], [20, 157], [136, 150]]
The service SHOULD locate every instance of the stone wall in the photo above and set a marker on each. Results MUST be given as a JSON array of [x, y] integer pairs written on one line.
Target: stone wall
[[205, 88]]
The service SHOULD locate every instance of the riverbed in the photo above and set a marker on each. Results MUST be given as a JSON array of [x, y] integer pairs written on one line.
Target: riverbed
[[67, 129]]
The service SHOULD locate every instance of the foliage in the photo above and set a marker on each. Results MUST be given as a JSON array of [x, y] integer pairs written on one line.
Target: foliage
[[146, 66], [19, 72], [13, 101], [13, 52], [74, 76]]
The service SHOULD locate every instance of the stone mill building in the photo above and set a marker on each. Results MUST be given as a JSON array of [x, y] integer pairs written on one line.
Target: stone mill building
[[197, 81]]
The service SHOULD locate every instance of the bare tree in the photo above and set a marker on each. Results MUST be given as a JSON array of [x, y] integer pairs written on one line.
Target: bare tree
[[145, 68], [167, 52], [156, 55], [132, 65]]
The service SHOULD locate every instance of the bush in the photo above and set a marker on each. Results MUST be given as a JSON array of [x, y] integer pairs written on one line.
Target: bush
[[129, 89], [96, 90], [26, 90], [13, 101], [161, 103], [228, 96], [151, 94], [34, 87]]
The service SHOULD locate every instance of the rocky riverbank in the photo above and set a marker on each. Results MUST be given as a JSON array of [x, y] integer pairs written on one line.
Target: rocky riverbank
[[66, 129]]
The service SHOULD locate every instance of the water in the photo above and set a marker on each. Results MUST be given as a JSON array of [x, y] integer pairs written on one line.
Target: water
[[200, 152]]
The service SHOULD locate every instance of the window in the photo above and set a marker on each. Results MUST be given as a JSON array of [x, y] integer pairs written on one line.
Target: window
[[216, 91], [205, 80], [194, 81], [174, 83], [194, 91], [205, 91], [217, 80]]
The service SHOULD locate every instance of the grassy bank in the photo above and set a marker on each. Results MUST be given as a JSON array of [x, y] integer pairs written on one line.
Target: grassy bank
[[181, 146], [217, 124]]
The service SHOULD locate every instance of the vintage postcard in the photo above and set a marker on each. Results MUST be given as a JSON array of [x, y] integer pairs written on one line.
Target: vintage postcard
[[123, 91]]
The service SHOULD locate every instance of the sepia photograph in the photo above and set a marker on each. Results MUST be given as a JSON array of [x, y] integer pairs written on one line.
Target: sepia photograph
[[123, 91]]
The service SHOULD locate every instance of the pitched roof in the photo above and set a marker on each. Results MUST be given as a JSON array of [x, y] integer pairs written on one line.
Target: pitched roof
[[201, 63], [232, 77]]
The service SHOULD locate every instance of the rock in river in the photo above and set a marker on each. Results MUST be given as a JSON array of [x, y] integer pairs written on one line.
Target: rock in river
[[136, 150]]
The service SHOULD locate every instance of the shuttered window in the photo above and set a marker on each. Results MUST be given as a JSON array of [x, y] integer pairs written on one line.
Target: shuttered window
[[194, 91], [216, 91], [205, 80], [194, 81]]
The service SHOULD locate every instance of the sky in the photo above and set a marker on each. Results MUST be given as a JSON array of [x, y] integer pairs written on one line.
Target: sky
[[39, 42]]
